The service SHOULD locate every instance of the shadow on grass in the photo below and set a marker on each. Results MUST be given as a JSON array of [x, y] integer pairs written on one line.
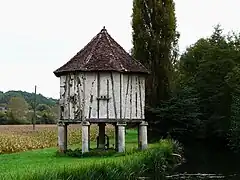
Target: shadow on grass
[[111, 152]]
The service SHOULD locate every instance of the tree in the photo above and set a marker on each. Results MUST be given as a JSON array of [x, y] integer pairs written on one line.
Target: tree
[[45, 114], [208, 66], [55, 111], [29, 97], [18, 109], [155, 45], [3, 118], [43, 107], [233, 80], [179, 117]]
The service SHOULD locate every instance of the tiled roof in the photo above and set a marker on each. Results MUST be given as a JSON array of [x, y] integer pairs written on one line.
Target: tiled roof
[[102, 53]]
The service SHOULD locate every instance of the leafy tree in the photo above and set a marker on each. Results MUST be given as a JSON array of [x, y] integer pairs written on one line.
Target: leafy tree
[[18, 109], [45, 114], [43, 107], [1, 94], [208, 67], [155, 45], [47, 108], [55, 111], [178, 117], [46, 117], [3, 118], [233, 80]]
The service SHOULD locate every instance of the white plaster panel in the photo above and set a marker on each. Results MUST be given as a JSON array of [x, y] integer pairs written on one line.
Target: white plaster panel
[[91, 93], [103, 92], [116, 91]]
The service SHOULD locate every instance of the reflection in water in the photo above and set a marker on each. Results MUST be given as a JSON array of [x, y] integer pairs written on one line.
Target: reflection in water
[[202, 158]]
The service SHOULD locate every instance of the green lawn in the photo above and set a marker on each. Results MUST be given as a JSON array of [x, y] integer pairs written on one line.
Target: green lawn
[[17, 165], [34, 160]]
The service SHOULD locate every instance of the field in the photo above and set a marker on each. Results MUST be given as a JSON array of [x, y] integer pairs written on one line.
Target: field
[[16, 138], [46, 164]]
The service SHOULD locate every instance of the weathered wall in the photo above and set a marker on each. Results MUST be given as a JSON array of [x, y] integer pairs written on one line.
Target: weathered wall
[[100, 95]]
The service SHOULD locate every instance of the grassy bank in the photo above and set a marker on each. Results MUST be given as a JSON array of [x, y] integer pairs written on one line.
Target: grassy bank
[[44, 164]]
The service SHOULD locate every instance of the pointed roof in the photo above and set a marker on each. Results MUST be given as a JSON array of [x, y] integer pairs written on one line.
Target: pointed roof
[[102, 53]]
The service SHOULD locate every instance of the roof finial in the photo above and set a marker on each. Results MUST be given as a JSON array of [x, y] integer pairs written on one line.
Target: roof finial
[[103, 29]]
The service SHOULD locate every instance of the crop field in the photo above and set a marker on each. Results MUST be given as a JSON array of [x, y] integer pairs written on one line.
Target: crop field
[[16, 138]]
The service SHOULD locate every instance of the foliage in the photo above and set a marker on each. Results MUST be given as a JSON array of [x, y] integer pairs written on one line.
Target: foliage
[[43, 107], [211, 68], [234, 131], [205, 98], [178, 117], [3, 118], [233, 80], [155, 45], [18, 109], [154, 163], [15, 138], [29, 97], [46, 114]]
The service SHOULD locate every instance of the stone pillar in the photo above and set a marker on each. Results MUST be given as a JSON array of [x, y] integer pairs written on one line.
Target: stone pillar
[[116, 137], [62, 137], [85, 137], [121, 137], [142, 136]]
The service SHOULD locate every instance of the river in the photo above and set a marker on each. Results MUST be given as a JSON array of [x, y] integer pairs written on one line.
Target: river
[[210, 159]]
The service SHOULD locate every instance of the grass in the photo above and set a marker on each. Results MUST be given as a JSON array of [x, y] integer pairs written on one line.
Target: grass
[[44, 164], [37, 159]]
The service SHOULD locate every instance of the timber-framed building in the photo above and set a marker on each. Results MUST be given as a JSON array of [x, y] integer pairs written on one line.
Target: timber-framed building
[[102, 84]]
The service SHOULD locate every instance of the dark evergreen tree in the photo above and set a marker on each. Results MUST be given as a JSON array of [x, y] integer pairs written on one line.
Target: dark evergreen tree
[[155, 45]]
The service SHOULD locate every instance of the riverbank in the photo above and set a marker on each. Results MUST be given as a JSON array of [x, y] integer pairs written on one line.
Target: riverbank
[[157, 161]]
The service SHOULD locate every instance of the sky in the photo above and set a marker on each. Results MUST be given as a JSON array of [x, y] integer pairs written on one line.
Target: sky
[[39, 36]]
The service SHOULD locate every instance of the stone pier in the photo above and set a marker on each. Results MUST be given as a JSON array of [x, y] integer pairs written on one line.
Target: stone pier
[[121, 137], [142, 135], [62, 137], [85, 136]]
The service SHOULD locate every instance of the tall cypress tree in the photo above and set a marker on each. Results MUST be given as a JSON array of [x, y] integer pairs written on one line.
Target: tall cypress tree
[[155, 45]]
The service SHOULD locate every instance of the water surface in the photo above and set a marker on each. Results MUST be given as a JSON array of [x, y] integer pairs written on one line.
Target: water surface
[[210, 159]]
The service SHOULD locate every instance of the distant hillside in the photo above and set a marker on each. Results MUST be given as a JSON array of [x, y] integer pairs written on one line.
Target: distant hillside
[[29, 97]]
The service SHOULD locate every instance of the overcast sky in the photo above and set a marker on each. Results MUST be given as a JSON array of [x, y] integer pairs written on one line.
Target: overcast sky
[[39, 36]]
